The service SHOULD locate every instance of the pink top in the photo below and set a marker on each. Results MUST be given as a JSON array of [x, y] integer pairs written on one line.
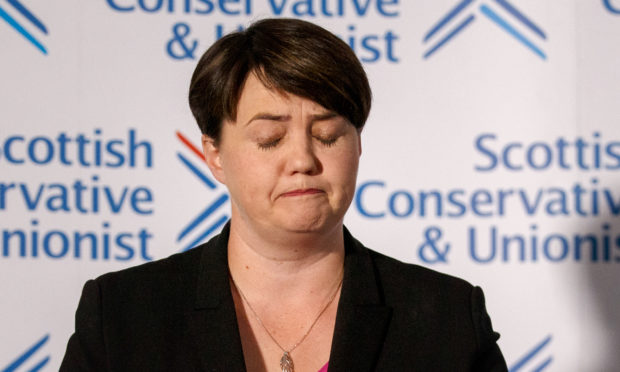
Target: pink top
[[324, 369]]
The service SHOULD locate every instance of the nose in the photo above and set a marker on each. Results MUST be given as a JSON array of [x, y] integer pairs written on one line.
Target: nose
[[301, 157]]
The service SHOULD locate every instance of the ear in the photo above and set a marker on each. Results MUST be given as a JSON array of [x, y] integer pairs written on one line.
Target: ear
[[213, 158], [359, 140]]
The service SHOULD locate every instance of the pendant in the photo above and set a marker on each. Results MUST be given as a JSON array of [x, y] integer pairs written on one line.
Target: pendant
[[286, 363]]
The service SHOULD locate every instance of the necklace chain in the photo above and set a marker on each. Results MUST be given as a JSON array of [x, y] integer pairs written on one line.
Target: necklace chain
[[286, 358]]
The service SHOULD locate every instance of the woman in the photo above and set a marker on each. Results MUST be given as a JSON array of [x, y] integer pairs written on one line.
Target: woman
[[284, 287]]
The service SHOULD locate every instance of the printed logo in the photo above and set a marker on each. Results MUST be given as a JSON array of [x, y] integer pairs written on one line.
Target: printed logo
[[27, 356], [202, 223], [615, 9], [529, 362], [28, 15], [463, 15]]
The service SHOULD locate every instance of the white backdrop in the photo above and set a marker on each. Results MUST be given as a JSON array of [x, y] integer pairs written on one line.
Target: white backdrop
[[492, 152]]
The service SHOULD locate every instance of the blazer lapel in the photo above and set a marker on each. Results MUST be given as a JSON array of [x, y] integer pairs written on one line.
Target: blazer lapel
[[362, 318], [213, 320]]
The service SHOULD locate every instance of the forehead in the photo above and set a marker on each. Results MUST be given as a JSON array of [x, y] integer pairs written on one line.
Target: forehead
[[256, 97]]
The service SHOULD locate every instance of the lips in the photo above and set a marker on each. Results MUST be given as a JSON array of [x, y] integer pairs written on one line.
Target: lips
[[302, 192]]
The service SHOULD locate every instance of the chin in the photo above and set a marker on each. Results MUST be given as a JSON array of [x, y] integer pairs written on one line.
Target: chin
[[303, 227], [308, 224]]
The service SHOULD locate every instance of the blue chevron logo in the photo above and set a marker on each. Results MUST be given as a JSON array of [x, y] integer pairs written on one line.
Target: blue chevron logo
[[615, 9], [202, 223], [528, 362], [465, 14], [27, 356], [19, 10]]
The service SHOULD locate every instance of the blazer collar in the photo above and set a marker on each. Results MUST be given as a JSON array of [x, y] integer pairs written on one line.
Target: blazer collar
[[213, 320], [362, 318]]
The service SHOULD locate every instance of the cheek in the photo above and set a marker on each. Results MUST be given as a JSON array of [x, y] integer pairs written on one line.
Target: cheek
[[345, 169], [248, 173], [234, 167]]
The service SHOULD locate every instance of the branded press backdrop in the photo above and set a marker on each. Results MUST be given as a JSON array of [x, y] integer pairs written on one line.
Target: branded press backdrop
[[492, 153]]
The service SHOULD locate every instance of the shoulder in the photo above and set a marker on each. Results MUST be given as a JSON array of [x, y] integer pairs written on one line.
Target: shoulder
[[162, 277], [402, 282], [448, 312], [399, 276], [174, 266], [443, 301], [178, 270], [132, 309], [447, 307], [165, 285], [446, 304]]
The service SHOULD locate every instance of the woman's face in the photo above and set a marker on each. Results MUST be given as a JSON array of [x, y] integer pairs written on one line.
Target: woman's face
[[289, 163]]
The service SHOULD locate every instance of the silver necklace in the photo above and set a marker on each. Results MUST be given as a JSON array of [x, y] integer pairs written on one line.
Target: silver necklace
[[286, 362]]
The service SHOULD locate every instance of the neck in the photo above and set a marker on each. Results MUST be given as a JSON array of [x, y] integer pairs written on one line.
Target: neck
[[293, 268]]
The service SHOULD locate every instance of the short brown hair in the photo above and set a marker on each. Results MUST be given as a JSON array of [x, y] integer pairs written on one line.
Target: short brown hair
[[289, 55]]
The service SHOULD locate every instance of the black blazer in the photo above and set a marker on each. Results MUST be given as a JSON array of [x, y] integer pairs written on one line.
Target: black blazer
[[177, 314]]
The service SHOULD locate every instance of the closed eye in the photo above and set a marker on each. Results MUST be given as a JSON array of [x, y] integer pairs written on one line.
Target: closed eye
[[269, 144], [327, 141]]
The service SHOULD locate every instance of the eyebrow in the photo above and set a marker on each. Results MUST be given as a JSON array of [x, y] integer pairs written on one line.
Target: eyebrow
[[275, 117], [268, 116], [325, 116]]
